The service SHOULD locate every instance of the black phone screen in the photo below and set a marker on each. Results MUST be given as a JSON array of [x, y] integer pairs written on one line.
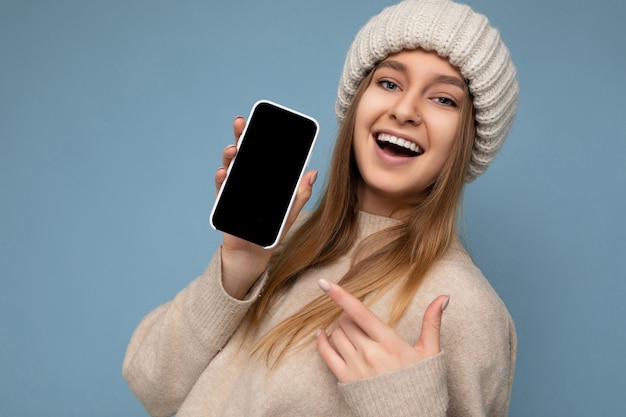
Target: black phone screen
[[259, 189]]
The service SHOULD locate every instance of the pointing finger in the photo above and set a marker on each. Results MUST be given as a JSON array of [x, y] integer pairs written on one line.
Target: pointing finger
[[355, 309]]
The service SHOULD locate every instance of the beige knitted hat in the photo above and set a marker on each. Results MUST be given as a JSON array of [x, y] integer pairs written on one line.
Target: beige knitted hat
[[462, 36]]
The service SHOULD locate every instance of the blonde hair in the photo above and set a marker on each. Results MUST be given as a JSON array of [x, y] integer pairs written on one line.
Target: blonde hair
[[400, 255]]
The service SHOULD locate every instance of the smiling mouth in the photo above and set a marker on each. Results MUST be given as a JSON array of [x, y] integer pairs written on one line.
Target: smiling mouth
[[397, 146]]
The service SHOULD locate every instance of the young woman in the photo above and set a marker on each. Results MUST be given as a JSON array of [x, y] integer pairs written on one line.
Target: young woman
[[344, 318]]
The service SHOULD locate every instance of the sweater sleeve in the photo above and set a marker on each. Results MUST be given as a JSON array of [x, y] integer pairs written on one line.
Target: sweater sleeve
[[417, 390], [481, 347], [175, 342]]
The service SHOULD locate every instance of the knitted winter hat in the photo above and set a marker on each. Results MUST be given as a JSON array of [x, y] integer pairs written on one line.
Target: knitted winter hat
[[462, 36]]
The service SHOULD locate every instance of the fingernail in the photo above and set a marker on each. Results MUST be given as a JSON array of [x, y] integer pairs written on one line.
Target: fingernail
[[318, 332], [313, 178], [324, 285], [445, 304], [238, 117]]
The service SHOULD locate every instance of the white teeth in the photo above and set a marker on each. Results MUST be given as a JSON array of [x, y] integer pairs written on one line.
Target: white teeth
[[385, 137]]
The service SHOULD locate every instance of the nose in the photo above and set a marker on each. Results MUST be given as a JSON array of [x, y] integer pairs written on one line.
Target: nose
[[406, 110]]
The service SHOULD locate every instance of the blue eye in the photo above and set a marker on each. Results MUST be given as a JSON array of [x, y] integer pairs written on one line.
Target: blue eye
[[445, 101], [388, 85]]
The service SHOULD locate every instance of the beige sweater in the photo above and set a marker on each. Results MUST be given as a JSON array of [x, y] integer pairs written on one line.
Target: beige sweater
[[185, 357]]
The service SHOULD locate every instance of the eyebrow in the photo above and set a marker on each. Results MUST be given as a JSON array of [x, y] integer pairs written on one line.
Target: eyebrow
[[450, 79], [440, 78]]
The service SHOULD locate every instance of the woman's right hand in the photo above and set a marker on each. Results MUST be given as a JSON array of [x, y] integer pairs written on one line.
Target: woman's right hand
[[243, 262]]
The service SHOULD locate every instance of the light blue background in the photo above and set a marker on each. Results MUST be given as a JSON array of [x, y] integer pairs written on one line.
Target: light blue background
[[113, 115]]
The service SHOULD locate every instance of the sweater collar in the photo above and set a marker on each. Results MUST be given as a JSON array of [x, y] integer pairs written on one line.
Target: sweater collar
[[371, 223]]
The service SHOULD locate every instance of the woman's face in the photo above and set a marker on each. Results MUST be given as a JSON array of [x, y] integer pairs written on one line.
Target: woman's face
[[405, 125]]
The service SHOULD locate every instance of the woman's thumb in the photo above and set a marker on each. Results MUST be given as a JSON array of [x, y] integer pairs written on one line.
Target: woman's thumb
[[429, 341]]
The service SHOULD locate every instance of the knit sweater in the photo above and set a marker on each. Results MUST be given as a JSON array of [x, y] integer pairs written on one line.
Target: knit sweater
[[186, 357]]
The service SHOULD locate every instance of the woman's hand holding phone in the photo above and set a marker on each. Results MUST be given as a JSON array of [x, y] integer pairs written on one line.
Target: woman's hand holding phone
[[243, 262]]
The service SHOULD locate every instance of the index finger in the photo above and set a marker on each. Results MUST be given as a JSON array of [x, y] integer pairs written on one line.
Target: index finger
[[356, 310], [238, 125]]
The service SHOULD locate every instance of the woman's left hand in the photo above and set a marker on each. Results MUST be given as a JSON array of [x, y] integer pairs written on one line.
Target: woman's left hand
[[363, 345]]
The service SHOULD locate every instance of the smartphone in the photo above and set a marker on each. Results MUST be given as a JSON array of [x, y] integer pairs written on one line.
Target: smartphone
[[261, 182]]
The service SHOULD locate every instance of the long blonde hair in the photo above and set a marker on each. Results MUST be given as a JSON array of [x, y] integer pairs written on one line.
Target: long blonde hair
[[401, 255]]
